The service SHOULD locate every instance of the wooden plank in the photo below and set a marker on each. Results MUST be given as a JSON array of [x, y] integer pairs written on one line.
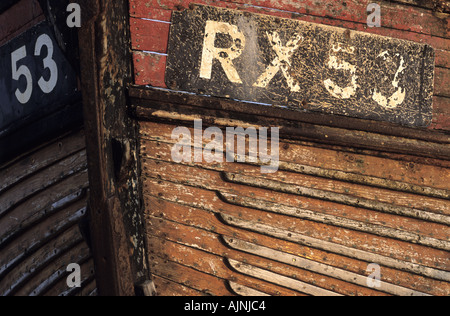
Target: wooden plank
[[338, 221], [387, 220], [43, 204], [188, 273], [111, 143], [316, 267], [23, 277], [60, 288], [341, 191], [267, 116], [195, 218], [42, 180], [53, 272], [397, 249], [88, 290], [441, 121], [166, 287], [215, 262], [303, 159], [29, 242], [339, 160], [441, 82], [341, 235], [245, 291], [319, 134], [40, 159], [333, 247], [275, 278]]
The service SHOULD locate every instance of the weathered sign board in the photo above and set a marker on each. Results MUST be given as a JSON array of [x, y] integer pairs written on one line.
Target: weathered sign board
[[35, 79], [300, 65]]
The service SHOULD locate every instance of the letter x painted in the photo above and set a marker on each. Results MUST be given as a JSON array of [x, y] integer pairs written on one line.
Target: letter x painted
[[282, 61]]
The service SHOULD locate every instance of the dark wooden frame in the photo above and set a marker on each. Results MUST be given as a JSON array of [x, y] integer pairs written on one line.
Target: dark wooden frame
[[117, 229]]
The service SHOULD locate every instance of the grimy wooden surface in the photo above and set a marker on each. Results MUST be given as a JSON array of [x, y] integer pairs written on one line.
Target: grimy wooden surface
[[43, 197], [309, 229], [348, 192], [150, 23]]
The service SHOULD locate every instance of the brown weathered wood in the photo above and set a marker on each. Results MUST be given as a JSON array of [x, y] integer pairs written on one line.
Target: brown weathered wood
[[161, 152], [318, 133], [245, 291], [314, 266], [26, 276], [44, 204], [195, 218], [166, 287], [28, 242], [43, 158], [192, 275], [337, 158], [116, 223], [411, 142], [42, 180], [400, 250], [60, 288]]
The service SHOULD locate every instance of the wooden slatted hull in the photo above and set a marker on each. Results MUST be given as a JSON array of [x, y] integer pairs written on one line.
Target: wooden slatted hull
[[43, 198], [312, 228]]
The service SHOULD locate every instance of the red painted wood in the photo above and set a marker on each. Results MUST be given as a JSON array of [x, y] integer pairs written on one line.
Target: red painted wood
[[149, 69], [441, 122], [441, 44], [442, 82], [149, 35], [401, 17]]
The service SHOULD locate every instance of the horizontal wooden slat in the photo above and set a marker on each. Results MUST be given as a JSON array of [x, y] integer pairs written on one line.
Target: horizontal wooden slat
[[42, 180], [385, 219], [314, 266], [36, 161], [200, 275], [346, 192], [166, 287], [27, 243], [44, 204], [60, 288], [441, 82], [160, 99], [384, 246], [193, 237], [338, 160], [215, 261], [26, 276], [227, 113]]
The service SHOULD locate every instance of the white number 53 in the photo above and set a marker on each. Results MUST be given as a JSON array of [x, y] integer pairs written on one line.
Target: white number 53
[[46, 86]]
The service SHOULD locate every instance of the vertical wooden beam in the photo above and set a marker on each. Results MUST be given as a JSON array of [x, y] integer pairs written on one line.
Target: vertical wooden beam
[[115, 205]]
